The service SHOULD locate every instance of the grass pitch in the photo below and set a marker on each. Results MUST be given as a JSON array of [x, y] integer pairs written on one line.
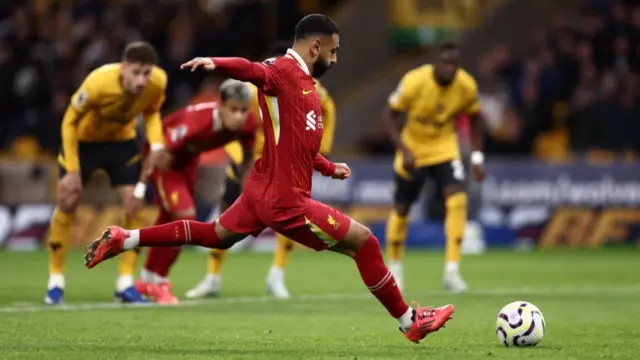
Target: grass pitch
[[590, 301]]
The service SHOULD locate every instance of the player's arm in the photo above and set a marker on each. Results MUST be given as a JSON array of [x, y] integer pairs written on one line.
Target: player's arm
[[155, 137], [322, 165], [262, 75], [477, 133], [248, 143], [399, 102], [81, 102], [329, 123]]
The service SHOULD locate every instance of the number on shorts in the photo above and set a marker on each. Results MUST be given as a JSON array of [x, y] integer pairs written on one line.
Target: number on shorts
[[458, 169]]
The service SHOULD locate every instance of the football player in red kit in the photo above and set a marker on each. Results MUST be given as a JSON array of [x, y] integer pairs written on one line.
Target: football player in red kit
[[189, 132], [277, 193]]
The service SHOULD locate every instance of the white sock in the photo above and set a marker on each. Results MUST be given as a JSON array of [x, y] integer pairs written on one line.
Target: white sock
[[406, 321], [132, 241], [451, 267], [161, 279], [123, 282], [213, 278], [276, 273], [147, 276], [56, 280]]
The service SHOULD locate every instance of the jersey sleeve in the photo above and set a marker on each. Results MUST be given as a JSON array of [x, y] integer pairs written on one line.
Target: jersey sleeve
[[151, 115], [267, 76], [402, 97], [81, 102], [472, 100], [328, 120], [324, 166]]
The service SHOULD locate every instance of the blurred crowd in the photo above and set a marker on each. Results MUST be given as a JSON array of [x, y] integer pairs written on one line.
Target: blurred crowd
[[575, 95], [47, 47]]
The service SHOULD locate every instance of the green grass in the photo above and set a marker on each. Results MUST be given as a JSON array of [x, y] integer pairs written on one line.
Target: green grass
[[589, 299]]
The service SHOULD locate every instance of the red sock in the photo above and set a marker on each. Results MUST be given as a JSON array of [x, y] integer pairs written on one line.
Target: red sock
[[152, 256], [181, 232], [163, 259], [378, 278]]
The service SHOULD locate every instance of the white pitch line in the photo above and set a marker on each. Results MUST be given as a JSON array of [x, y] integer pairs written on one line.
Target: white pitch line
[[559, 290]]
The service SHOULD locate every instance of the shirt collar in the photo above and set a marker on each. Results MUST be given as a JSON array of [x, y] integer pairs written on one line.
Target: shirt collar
[[293, 54]]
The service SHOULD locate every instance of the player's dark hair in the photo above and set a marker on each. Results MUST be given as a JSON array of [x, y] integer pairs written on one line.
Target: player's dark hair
[[448, 46], [234, 89], [315, 24], [140, 52]]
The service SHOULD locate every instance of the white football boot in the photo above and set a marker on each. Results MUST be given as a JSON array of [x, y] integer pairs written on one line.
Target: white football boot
[[211, 286], [275, 283]]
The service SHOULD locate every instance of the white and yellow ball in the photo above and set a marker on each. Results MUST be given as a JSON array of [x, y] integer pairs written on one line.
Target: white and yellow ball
[[520, 323]]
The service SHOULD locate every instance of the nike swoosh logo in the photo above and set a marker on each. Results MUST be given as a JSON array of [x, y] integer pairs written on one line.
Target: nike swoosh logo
[[305, 92]]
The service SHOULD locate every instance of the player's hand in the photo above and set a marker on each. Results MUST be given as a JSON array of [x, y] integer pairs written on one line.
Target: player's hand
[[342, 171], [408, 160], [478, 172], [161, 158], [203, 62], [71, 183]]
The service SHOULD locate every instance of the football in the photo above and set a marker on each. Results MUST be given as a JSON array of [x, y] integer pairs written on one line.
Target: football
[[520, 323]]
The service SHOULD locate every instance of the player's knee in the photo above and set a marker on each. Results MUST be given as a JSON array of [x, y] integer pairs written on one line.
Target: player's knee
[[68, 201], [358, 235], [402, 209]]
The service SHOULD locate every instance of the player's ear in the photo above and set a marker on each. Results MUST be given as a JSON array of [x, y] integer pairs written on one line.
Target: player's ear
[[315, 47]]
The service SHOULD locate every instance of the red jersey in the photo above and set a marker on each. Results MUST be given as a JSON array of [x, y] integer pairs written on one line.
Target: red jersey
[[292, 122], [198, 128]]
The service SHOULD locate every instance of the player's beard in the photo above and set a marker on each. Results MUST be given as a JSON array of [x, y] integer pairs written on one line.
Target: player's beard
[[320, 67]]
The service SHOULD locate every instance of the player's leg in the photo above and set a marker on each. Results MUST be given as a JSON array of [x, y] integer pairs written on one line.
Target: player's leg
[[327, 228], [175, 196], [124, 166], [211, 285], [450, 178], [232, 226], [407, 189], [59, 234], [275, 277]]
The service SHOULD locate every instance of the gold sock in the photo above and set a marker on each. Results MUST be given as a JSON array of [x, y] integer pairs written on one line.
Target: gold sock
[[284, 245], [454, 224], [59, 233], [129, 259], [396, 234], [216, 260]]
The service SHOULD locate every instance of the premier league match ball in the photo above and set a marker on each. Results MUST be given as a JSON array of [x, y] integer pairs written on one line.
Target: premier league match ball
[[520, 324]]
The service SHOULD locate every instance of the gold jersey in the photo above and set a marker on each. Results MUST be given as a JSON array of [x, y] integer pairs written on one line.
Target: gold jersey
[[101, 111], [234, 150], [432, 110]]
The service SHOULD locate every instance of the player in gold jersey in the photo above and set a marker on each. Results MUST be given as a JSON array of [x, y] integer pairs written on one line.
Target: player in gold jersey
[[98, 132], [211, 285], [433, 96]]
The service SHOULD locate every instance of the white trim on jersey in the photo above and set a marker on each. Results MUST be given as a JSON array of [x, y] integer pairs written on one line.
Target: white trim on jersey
[[294, 55]]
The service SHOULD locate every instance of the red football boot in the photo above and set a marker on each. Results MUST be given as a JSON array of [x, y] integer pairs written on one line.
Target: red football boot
[[107, 246], [160, 293], [428, 320]]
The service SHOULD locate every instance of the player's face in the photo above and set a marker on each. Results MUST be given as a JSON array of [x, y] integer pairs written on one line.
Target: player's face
[[135, 76], [234, 113], [447, 66], [325, 52]]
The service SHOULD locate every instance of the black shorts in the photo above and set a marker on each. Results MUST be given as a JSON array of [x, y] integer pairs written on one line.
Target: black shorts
[[443, 175], [233, 187], [121, 160]]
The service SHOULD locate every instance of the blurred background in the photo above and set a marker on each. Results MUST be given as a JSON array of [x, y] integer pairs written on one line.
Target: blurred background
[[558, 84]]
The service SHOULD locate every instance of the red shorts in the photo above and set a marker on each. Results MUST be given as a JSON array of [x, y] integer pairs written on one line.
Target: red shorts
[[175, 189], [313, 225]]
